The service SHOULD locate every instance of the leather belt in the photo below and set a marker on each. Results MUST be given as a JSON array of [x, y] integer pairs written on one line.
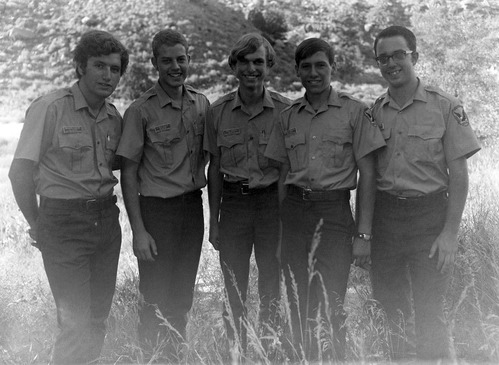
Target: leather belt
[[242, 187], [423, 199], [79, 204], [318, 195]]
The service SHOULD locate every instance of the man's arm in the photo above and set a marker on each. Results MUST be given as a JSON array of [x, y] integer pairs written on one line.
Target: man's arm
[[446, 242], [366, 191], [23, 186], [144, 246], [215, 186]]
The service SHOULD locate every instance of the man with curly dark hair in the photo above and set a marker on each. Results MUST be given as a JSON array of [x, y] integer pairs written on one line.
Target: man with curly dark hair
[[65, 155]]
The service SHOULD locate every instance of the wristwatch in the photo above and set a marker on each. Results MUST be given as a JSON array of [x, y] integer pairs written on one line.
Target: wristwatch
[[364, 236]]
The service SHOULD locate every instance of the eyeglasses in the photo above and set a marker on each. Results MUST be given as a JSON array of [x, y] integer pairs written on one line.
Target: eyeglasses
[[397, 56]]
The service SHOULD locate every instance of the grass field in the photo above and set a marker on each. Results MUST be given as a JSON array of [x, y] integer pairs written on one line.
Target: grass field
[[27, 311]]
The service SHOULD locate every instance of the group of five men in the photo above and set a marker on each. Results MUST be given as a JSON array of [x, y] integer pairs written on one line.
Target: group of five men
[[279, 180]]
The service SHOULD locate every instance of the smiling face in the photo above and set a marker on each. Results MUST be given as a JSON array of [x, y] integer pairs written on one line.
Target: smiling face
[[315, 74], [398, 74], [172, 64], [252, 69], [100, 77]]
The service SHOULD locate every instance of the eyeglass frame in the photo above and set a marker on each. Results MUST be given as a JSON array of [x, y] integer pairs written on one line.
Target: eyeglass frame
[[392, 56]]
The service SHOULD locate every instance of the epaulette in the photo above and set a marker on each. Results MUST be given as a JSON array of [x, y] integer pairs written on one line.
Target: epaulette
[[192, 89], [276, 96], [437, 90], [344, 95], [227, 97]]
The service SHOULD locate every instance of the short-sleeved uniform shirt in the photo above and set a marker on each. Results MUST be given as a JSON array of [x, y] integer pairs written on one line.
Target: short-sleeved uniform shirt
[[166, 139], [421, 137], [240, 139], [73, 150], [322, 147]]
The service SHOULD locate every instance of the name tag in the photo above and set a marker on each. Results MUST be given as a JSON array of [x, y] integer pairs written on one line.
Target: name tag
[[231, 132], [161, 128], [290, 132], [72, 129]]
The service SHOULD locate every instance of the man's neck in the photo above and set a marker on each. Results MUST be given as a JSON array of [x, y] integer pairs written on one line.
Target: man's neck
[[317, 100], [404, 93], [175, 93], [252, 99], [94, 103]]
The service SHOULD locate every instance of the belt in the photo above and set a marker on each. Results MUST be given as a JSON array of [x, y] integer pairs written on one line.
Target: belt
[[318, 195], [423, 199], [242, 187], [79, 204]]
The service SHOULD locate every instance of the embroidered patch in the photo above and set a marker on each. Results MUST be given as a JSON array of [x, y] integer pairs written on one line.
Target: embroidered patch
[[290, 132], [161, 128], [370, 115], [461, 116], [72, 129], [231, 132]]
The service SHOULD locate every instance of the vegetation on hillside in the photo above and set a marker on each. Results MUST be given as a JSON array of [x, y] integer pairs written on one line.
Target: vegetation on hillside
[[458, 45]]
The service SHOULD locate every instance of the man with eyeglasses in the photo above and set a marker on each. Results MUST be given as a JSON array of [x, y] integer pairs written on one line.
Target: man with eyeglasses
[[422, 185]]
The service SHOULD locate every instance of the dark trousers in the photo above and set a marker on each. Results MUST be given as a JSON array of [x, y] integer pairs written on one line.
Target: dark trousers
[[167, 283], [248, 221], [403, 274], [316, 284], [80, 250]]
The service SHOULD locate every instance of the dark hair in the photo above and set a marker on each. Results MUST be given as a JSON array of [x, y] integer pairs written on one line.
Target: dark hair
[[249, 43], [95, 43], [168, 37], [310, 47], [394, 31]]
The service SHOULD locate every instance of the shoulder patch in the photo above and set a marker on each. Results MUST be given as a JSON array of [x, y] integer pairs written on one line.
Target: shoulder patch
[[461, 116]]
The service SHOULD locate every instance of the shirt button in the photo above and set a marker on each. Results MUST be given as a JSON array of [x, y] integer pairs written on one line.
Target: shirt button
[[100, 164], [313, 157], [314, 137], [98, 142]]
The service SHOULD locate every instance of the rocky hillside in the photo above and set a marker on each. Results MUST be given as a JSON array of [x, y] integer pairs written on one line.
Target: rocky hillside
[[37, 37]]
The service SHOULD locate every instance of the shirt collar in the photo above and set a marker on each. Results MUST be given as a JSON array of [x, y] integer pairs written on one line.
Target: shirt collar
[[80, 102], [332, 100], [266, 102], [419, 94], [164, 98]]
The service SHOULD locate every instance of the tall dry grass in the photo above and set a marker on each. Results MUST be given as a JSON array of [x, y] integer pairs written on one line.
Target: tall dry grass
[[27, 312]]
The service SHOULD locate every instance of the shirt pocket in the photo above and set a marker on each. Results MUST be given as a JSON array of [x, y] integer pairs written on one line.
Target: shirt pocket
[[296, 150], [424, 143], [164, 144], [232, 150], [76, 152], [337, 148]]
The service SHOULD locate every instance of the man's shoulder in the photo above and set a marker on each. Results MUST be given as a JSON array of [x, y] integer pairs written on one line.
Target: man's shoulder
[[53, 96], [439, 93], [144, 98], [351, 100], [224, 99], [279, 98]]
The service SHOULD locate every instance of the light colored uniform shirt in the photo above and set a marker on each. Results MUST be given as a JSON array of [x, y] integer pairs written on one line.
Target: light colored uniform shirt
[[240, 138], [166, 139], [322, 147], [431, 129], [73, 151]]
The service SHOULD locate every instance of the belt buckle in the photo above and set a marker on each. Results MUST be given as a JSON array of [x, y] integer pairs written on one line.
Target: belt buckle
[[89, 203], [305, 194], [245, 188]]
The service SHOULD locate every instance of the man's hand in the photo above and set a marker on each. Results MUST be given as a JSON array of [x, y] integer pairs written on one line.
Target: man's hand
[[446, 244], [214, 237], [33, 234], [362, 253], [144, 246]]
